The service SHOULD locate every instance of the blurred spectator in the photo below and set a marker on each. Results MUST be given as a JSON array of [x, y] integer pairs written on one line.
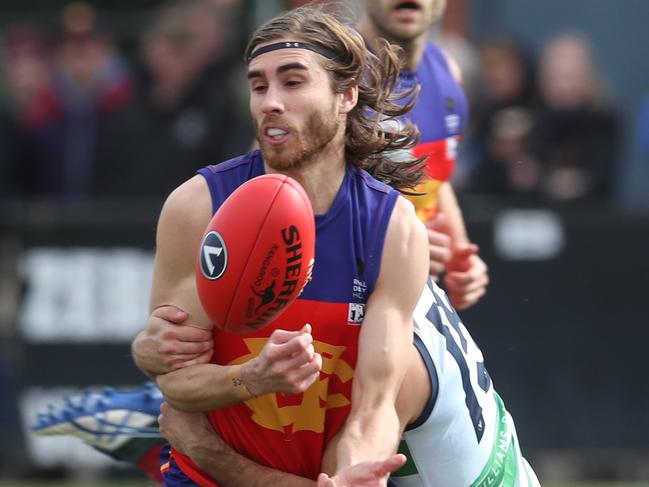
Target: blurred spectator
[[62, 114], [188, 112], [578, 133], [502, 121], [26, 99]]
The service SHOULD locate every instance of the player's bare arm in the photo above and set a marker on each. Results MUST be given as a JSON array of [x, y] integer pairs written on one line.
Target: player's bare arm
[[204, 386], [168, 344], [183, 219], [192, 434], [373, 428], [173, 299], [467, 275]]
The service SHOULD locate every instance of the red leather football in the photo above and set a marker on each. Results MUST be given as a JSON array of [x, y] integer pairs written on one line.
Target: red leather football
[[257, 253]]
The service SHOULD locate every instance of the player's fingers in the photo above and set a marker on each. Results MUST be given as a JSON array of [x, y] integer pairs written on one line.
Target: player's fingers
[[463, 301], [283, 336], [174, 347], [182, 361], [441, 255], [325, 481], [311, 370], [393, 463], [170, 313], [300, 379], [184, 333], [191, 333], [306, 328], [438, 239], [466, 281], [464, 251], [458, 280], [159, 329], [293, 346], [299, 359]]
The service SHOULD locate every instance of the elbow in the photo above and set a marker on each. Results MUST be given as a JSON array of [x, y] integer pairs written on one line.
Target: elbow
[[175, 392]]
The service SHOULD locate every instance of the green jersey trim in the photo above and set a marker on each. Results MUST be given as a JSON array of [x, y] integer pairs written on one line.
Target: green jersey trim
[[502, 466]]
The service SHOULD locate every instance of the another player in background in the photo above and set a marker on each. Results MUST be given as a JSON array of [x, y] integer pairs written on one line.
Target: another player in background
[[441, 116]]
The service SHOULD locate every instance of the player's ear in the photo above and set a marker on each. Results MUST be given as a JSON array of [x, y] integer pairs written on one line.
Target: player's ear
[[349, 99]]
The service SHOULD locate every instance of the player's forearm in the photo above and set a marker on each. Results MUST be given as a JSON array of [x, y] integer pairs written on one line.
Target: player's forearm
[[204, 387], [449, 206], [369, 434], [231, 469]]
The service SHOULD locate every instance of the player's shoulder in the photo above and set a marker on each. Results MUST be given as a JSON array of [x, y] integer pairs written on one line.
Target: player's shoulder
[[366, 180], [405, 226], [235, 164], [447, 58], [188, 206]]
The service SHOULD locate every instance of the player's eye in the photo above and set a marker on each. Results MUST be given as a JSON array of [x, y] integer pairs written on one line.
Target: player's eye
[[258, 88], [293, 83]]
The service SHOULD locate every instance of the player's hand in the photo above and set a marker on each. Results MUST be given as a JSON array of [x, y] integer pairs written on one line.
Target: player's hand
[[439, 245], [288, 363], [188, 433], [371, 473], [467, 277], [169, 343]]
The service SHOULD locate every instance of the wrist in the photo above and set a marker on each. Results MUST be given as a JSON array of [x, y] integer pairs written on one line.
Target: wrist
[[238, 384]]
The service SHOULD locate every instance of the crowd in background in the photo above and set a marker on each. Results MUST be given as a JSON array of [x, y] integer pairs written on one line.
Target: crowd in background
[[543, 131], [81, 119]]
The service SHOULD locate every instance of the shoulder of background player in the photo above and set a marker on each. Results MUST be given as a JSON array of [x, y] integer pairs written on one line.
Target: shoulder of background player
[[453, 65]]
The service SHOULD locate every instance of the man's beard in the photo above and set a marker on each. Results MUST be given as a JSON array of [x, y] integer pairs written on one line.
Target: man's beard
[[403, 37], [319, 131]]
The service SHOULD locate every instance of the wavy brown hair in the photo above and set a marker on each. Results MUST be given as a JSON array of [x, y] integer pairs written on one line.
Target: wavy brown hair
[[368, 144]]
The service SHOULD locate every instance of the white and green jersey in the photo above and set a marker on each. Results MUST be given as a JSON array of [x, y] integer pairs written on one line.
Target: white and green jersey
[[464, 437]]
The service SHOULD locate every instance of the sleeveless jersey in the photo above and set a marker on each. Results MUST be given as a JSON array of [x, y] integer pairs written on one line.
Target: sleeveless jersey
[[464, 437], [441, 115], [290, 432]]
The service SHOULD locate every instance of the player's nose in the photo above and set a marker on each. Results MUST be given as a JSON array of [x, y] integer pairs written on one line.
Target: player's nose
[[272, 102]]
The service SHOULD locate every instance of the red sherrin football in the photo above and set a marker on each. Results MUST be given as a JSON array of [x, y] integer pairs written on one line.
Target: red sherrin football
[[257, 253]]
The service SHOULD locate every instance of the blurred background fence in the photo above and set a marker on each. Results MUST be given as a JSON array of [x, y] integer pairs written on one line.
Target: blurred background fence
[[106, 106]]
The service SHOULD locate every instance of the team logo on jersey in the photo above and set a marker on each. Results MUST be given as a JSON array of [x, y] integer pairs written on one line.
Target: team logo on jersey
[[356, 313], [214, 256], [303, 412]]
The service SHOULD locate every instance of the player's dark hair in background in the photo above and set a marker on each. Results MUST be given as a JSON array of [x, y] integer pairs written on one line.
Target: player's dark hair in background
[[367, 145]]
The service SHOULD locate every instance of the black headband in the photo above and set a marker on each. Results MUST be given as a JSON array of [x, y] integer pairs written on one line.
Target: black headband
[[323, 51]]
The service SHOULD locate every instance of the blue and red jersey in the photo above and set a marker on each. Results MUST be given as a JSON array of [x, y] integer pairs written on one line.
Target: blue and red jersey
[[290, 432], [441, 115]]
